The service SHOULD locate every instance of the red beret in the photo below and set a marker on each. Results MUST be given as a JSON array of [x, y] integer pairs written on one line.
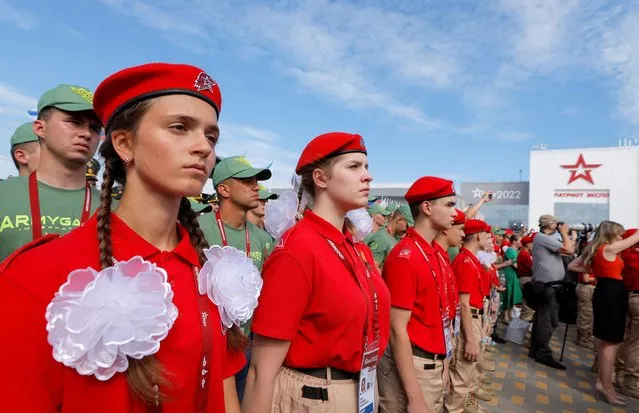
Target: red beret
[[329, 145], [629, 232], [460, 218], [474, 226], [135, 84], [428, 188]]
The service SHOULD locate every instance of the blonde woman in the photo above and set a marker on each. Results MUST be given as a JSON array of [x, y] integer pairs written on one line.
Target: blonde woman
[[610, 299]]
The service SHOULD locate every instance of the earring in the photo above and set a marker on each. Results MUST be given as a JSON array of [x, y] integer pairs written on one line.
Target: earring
[[127, 161]]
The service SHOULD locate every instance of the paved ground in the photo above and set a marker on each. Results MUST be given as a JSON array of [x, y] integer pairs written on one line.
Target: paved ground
[[523, 386]]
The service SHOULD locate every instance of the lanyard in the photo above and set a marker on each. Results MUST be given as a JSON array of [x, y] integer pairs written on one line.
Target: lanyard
[[225, 241], [206, 349], [479, 272], [371, 288], [34, 201], [444, 263], [441, 299]]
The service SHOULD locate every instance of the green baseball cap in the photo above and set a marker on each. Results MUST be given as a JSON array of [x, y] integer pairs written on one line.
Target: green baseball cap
[[198, 206], [265, 194], [404, 209], [377, 209], [498, 231], [24, 134], [70, 98], [391, 208], [238, 167]]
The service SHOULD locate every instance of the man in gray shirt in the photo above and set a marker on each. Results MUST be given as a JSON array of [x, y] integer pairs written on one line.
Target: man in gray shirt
[[548, 271]]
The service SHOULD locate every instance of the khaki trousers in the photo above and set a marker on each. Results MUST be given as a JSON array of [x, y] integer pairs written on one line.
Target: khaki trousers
[[464, 376], [287, 394], [585, 315], [527, 313], [630, 348], [392, 397]]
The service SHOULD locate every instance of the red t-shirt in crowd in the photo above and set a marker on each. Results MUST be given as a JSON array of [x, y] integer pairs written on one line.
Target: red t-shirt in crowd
[[470, 274], [602, 268], [630, 271], [313, 299], [453, 294], [35, 382], [418, 284], [524, 264]]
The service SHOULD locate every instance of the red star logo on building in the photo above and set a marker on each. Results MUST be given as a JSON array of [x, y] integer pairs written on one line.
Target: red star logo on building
[[581, 170]]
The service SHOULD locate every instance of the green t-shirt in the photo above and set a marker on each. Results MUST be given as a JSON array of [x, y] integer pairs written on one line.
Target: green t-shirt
[[381, 243], [61, 210], [261, 242], [452, 253]]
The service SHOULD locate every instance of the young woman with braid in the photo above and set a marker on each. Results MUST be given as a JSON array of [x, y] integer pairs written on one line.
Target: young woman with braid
[[323, 316], [131, 275]]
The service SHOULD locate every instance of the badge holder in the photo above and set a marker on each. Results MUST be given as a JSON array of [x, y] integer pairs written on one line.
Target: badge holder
[[448, 337], [457, 320], [368, 377]]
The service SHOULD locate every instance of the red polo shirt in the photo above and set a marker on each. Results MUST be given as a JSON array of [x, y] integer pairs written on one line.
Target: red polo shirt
[[469, 273], [630, 270], [312, 299], [453, 294], [35, 382], [524, 264], [419, 285]]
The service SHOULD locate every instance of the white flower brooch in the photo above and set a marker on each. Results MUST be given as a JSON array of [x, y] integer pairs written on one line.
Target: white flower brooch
[[362, 223], [98, 319], [280, 214], [232, 282]]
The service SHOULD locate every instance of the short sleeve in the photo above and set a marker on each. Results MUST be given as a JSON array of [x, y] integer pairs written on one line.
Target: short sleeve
[[27, 355], [234, 361], [548, 242], [511, 254], [285, 295], [399, 275], [465, 273]]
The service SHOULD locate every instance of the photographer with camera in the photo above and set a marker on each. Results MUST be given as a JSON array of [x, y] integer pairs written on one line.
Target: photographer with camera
[[548, 273]]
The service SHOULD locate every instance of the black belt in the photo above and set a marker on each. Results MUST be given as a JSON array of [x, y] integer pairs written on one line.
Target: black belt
[[322, 373], [477, 311], [418, 352]]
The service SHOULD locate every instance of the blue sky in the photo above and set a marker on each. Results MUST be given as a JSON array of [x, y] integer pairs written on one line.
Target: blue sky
[[462, 88]]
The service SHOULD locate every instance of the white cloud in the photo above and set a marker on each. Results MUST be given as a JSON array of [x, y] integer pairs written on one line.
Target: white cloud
[[261, 147], [10, 97], [21, 19], [372, 54], [13, 112], [6, 167]]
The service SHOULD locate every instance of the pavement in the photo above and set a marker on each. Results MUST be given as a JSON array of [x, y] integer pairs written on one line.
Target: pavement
[[523, 386]]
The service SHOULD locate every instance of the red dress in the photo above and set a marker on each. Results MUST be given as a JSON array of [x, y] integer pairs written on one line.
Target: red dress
[[34, 382]]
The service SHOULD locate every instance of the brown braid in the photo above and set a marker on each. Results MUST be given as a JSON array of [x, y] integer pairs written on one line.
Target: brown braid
[[104, 216], [145, 374], [236, 340]]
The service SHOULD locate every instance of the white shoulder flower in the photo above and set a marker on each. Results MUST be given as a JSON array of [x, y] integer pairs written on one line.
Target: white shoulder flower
[[280, 214], [98, 319], [232, 282]]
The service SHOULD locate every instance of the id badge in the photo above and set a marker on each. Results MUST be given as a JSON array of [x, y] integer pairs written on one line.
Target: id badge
[[368, 376], [448, 337], [457, 320]]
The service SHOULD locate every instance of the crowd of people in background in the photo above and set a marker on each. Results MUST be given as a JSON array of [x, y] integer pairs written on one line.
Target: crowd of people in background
[[323, 299]]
